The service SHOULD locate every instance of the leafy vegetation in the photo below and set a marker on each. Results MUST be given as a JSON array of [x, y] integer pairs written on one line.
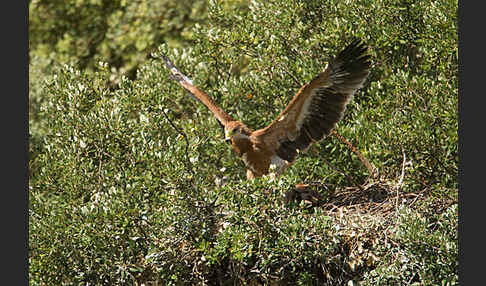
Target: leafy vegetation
[[131, 182]]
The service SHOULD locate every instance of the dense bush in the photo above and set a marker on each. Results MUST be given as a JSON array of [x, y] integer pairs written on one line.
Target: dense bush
[[131, 182], [121, 33]]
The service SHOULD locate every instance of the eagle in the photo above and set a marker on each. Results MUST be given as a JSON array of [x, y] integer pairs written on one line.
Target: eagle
[[310, 116]]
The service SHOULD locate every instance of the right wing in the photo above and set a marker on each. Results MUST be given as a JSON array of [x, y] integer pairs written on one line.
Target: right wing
[[318, 105]]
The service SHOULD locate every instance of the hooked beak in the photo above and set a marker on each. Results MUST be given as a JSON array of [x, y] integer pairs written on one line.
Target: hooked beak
[[227, 137]]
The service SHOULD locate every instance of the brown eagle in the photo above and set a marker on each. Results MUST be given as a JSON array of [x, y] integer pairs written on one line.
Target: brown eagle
[[309, 117]]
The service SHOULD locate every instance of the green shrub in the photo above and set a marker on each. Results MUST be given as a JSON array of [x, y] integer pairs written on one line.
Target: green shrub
[[427, 251], [132, 183]]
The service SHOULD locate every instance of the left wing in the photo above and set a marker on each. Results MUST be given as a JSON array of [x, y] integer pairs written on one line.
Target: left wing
[[185, 82], [318, 105]]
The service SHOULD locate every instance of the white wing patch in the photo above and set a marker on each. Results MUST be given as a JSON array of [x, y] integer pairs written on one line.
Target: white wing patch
[[304, 111], [305, 107]]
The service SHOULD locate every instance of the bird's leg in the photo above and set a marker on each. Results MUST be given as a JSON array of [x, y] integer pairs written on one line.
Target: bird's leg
[[249, 174]]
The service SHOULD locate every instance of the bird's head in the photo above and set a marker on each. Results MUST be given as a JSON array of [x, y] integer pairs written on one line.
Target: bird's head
[[235, 130]]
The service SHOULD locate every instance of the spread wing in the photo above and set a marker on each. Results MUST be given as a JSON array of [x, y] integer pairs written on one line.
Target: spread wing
[[318, 105], [185, 82]]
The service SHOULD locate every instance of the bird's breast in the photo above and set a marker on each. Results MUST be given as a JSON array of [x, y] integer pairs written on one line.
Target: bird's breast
[[256, 156], [258, 160]]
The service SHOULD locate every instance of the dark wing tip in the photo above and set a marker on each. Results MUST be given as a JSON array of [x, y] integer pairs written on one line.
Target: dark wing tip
[[353, 58], [167, 61]]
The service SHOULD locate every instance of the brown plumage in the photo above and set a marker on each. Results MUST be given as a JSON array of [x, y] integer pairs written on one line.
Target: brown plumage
[[309, 117]]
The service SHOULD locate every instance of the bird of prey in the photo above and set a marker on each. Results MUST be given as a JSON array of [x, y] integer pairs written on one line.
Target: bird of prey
[[308, 118]]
